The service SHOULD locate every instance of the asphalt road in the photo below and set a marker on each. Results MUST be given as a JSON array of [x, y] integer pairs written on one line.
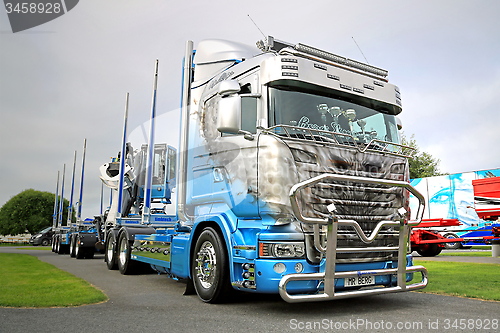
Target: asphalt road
[[155, 303]]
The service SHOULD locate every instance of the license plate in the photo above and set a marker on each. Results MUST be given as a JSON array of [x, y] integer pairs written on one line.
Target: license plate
[[364, 280]]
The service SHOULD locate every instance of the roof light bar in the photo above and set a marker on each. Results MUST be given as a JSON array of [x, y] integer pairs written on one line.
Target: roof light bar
[[341, 60], [277, 45]]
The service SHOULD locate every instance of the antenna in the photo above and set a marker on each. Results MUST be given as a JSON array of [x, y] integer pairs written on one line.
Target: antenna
[[256, 26], [360, 50]]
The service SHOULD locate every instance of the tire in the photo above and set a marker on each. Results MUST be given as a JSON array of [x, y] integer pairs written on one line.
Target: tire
[[79, 251], [45, 242], [451, 246], [72, 244], [89, 254], [59, 249], [110, 251], [125, 264], [54, 241], [209, 267], [429, 250]]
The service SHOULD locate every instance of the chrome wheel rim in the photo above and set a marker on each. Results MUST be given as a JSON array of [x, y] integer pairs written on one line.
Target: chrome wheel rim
[[123, 252], [109, 252], [206, 264]]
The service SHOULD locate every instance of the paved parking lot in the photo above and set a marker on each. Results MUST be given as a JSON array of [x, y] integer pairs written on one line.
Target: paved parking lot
[[154, 303]]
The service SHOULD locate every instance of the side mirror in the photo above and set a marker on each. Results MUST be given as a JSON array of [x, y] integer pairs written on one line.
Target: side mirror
[[229, 87], [229, 118], [399, 124]]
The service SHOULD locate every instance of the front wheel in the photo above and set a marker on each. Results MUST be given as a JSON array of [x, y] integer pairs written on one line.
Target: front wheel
[[209, 267], [45, 242]]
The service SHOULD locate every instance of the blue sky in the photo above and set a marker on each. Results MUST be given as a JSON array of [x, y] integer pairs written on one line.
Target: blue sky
[[66, 80]]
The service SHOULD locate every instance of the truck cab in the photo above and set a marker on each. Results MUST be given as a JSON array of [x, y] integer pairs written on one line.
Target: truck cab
[[276, 136]]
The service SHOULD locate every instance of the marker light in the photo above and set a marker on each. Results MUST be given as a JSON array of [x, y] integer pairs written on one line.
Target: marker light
[[279, 268]]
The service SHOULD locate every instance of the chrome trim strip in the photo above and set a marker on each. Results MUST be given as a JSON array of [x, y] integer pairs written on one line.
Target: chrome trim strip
[[183, 155]]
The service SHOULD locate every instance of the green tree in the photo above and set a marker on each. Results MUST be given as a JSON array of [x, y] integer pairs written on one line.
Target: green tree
[[29, 211], [422, 164]]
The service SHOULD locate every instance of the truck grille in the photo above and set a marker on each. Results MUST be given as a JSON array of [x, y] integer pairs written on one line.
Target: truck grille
[[366, 204]]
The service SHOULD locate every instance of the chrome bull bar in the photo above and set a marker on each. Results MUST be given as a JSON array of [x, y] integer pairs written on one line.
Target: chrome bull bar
[[332, 222]]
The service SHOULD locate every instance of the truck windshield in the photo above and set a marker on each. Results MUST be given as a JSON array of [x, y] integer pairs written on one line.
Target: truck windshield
[[350, 121]]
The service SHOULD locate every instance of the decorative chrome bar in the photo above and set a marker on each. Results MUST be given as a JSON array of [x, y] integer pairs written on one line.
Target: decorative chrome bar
[[331, 138]]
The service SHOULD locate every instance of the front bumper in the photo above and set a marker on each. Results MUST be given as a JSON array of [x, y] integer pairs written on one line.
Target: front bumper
[[384, 283], [310, 281], [331, 274]]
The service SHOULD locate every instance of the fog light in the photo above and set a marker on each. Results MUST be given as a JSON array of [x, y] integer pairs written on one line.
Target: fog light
[[298, 267], [279, 268]]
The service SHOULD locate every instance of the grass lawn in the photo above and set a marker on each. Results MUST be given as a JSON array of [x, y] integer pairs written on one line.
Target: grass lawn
[[44, 248], [462, 279], [26, 246], [466, 254], [25, 281], [481, 247]]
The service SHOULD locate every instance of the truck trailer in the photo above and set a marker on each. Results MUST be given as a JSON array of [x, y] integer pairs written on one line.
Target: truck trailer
[[462, 210], [290, 178]]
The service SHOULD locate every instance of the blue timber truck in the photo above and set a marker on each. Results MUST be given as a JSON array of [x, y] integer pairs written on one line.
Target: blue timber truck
[[290, 178], [79, 239]]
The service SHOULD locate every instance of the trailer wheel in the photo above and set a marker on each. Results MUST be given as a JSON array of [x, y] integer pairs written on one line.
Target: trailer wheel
[[125, 264], [451, 246], [59, 248], [72, 246], [53, 243], [79, 252], [110, 252], [429, 250], [209, 267]]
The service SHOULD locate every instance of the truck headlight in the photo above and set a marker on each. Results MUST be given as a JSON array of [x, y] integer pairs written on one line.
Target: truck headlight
[[286, 250]]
